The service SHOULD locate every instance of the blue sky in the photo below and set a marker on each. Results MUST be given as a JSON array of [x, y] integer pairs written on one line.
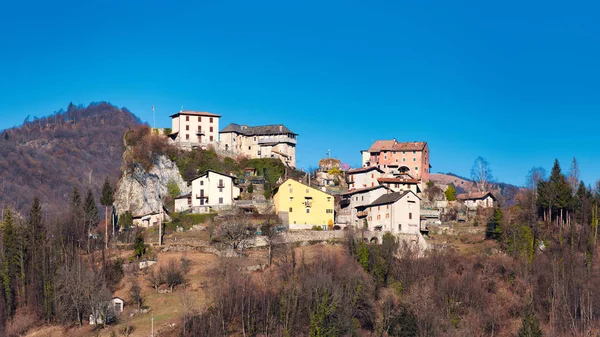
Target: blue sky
[[516, 82]]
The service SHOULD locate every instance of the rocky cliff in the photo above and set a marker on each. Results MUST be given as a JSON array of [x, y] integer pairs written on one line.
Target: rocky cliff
[[142, 192]]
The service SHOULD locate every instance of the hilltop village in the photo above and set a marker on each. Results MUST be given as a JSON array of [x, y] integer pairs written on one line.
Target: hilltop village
[[392, 192]]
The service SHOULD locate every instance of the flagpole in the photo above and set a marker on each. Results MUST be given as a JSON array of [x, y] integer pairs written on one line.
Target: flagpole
[[154, 116]]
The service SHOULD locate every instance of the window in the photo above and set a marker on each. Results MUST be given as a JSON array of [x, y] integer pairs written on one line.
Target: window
[[372, 175], [403, 152], [254, 138], [211, 119], [187, 118], [387, 216], [399, 228], [416, 168], [414, 159], [410, 215], [378, 208], [403, 159], [201, 182], [199, 128], [187, 128], [307, 190], [394, 153], [187, 137], [211, 138], [378, 217], [290, 210], [414, 152], [329, 211], [385, 157], [291, 199], [199, 119], [387, 206], [308, 210], [396, 160], [362, 198], [221, 201], [248, 148]]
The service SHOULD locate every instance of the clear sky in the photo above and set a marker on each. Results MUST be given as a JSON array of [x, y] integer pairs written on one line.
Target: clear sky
[[516, 82]]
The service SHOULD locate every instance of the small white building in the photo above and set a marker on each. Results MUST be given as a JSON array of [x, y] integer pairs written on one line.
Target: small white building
[[194, 128], [209, 190], [363, 177], [117, 304], [355, 198], [475, 200], [149, 220], [394, 212], [400, 184]]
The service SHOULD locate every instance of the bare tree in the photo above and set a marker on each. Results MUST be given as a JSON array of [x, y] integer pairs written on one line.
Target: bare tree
[[481, 173], [136, 293], [155, 279], [573, 176], [235, 230]]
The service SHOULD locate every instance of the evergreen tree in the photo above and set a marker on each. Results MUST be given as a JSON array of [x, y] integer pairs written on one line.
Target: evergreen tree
[[494, 228], [36, 246], [555, 197], [8, 261], [77, 231], [107, 199], [530, 327], [90, 211], [450, 193], [90, 216]]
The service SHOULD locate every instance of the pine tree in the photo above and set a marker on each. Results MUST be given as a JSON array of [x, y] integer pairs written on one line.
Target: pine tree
[[8, 261], [77, 230], [450, 193], [107, 199], [530, 327], [36, 246], [555, 197], [90, 213]]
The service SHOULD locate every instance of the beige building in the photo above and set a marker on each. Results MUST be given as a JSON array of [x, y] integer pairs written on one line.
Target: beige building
[[193, 128], [395, 212], [357, 197], [477, 199], [211, 190], [363, 177], [268, 141]]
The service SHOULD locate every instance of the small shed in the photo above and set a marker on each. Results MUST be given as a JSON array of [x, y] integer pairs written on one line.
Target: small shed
[[117, 304]]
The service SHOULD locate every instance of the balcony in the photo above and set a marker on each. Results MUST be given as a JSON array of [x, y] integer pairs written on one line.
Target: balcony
[[361, 214], [220, 186], [276, 140]]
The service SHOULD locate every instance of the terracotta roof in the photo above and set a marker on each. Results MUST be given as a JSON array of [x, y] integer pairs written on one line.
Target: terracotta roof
[[393, 145], [361, 190], [389, 198], [274, 129], [474, 195], [364, 169], [397, 180], [195, 113]]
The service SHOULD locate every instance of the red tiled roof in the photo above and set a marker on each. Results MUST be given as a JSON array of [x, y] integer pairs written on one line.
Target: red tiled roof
[[393, 145], [474, 195], [364, 169], [397, 180], [195, 113], [365, 189]]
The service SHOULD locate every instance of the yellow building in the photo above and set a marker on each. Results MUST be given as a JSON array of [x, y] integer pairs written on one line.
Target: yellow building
[[302, 207]]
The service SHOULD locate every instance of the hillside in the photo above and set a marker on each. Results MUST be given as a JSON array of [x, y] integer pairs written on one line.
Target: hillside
[[47, 156], [506, 192]]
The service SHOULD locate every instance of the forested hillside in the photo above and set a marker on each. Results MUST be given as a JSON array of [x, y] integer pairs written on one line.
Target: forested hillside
[[47, 157]]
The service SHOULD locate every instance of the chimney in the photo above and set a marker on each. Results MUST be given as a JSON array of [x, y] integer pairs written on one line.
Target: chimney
[[281, 128]]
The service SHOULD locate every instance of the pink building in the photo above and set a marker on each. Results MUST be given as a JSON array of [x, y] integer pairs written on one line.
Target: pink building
[[410, 158]]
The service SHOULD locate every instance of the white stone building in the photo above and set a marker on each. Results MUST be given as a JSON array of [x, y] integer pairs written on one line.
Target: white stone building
[[193, 128], [352, 199], [268, 141], [475, 200], [395, 212], [209, 190], [363, 177]]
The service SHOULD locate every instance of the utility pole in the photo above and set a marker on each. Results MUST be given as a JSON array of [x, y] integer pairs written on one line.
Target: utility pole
[[328, 153], [152, 335]]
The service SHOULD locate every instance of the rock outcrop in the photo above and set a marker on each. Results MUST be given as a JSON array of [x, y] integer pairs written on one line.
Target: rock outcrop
[[142, 192]]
